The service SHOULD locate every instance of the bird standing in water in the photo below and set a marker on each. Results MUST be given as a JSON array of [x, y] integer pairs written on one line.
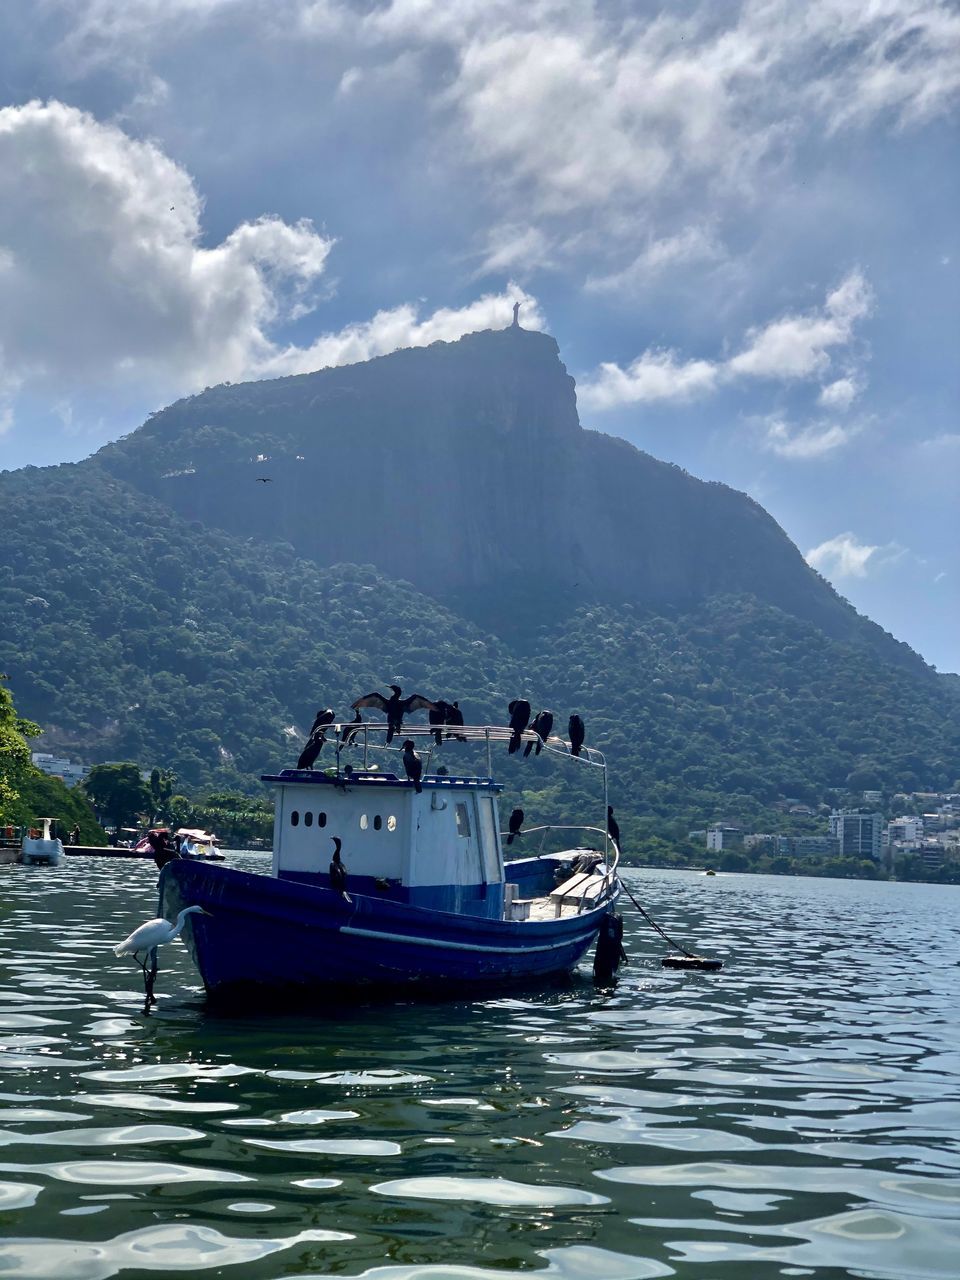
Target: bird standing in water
[[519, 719], [146, 939], [413, 765], [542, 724], [576, 732], [514, 825], [394, 708]]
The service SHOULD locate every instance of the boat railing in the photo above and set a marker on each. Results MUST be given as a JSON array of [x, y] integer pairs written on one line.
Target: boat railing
[[610, 865], [359, 735]]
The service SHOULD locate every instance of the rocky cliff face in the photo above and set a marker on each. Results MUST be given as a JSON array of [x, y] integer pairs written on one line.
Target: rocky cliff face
[[462, 468]]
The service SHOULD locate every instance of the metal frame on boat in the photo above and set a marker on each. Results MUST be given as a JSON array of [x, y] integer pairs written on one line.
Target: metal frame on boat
[[429, 900]]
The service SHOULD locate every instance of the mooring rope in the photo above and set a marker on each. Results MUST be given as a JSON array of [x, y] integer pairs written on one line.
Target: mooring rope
[[650, 921]]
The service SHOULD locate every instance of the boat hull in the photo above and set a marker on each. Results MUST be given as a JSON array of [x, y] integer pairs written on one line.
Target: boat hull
[[271, 935]]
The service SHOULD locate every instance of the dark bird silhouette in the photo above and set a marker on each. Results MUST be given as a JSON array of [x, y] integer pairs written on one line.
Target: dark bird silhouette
[[514, 825], [438, 716], [575, 730], [317, 737], [454, 717], [349, 734], [412, 765], [264, 479], [394, 708], [542, 724], [338, 872], [519, 719], [613, 827]]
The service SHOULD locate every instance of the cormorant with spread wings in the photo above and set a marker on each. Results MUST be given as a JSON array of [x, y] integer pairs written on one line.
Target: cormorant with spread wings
[[394, 708]]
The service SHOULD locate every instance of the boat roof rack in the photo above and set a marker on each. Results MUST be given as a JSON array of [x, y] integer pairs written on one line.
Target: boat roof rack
[[476, 733]]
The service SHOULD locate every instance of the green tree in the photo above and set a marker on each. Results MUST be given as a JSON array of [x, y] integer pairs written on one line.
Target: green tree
[[14, 751], [118, 793], [162, 782]]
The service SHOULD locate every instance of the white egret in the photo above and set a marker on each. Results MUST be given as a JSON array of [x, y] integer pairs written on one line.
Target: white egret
[[152, 934]]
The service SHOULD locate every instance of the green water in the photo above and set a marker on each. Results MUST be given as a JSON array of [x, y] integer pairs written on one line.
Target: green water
[[795, 1115]]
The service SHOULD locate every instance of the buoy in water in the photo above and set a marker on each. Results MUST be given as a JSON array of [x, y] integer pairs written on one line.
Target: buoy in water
[[691, 962]]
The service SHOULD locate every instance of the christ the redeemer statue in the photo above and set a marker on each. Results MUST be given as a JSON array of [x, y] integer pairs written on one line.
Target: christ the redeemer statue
[[516, 315]]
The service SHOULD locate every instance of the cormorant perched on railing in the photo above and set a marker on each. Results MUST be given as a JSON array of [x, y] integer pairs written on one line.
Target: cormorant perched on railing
[[576, 732], [514, 825], [438, 716], [412, 765], [349, 734], [613, 827], [394, 708], [455, 717], [542, 724], [519, 719], [317, 737]]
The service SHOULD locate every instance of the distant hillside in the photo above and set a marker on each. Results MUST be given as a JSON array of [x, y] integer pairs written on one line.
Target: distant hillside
[[462, 468], [161, 605]]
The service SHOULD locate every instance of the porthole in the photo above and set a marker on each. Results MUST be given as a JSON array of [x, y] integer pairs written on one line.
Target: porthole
[[377, 823], [364, 822], [321, 819], [392, 823], [295, 818], [308, 819]]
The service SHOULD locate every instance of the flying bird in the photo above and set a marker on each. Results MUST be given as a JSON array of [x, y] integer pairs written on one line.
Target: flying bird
[[394, 708], [542, 724], [514, 825], [519, 719], [264, 479], [575, 730], [412, 765], [317, 737]]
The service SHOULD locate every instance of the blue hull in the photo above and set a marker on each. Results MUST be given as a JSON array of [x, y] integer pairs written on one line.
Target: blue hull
[[277, 934]]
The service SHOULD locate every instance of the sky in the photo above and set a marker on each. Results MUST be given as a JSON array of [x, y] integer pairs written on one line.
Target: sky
[[739, 221]]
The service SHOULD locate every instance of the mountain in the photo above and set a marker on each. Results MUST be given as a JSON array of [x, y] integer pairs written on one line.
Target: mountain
[[439, 517]]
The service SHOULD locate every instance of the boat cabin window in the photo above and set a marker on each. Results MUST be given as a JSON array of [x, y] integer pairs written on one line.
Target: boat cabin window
[[295, 818], [364, 822], [463, 820], [321, 819], [308, 819], [392, 823], [377, 823]]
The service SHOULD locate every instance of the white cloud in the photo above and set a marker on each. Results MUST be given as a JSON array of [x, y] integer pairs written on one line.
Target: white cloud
[[518, 249], [105, 279], [656, 375], [692, 245], [811, 441], [6, 419], [844, 556], [792, 347], [108, 278], [839, 394], [403, 327], [799, 346]]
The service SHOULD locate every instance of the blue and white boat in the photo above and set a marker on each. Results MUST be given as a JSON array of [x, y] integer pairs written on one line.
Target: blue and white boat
[[429, 901]]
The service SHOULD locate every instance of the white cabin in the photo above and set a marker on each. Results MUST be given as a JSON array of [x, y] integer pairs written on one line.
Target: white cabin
[[437, 848]]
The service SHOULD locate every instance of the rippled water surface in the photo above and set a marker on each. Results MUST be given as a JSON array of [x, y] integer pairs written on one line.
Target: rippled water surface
[[795, 1115]]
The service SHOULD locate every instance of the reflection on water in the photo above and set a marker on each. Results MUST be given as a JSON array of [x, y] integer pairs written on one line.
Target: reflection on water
[[795, 1115]]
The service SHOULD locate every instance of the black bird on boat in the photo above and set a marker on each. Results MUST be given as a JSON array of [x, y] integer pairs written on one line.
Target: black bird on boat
[[576, 732], [317, 737], [349, 734], [542, 724], [613, 827], [455, 717], [338, 872], [519, 719], [514, 825], [438, 716], [394, 708], [412, 765]]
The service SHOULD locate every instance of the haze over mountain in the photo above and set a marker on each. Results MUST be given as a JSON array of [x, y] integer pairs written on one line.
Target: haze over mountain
[[189, 595]]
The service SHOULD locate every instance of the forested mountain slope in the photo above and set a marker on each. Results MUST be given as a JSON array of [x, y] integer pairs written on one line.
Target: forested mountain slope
[[144, 619]]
